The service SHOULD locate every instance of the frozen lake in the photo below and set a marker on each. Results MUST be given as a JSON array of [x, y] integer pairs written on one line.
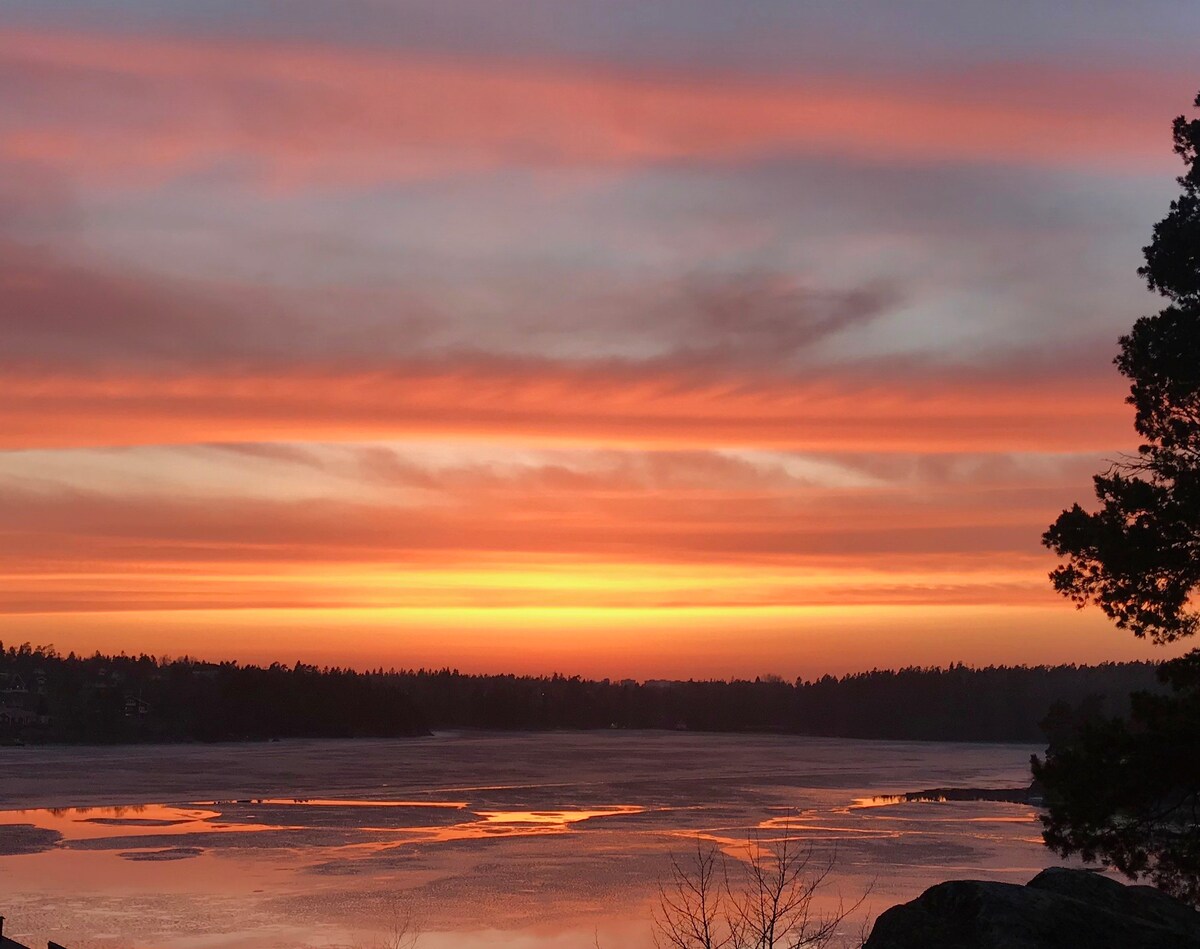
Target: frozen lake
[[486, 840]]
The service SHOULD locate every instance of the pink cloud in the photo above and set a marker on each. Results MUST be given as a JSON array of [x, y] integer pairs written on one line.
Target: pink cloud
[[123, 108]]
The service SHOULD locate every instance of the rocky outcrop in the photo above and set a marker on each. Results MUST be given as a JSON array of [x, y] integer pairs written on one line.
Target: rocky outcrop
[[1057, 909]]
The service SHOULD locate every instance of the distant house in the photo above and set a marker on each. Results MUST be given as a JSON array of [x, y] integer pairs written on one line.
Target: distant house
[[13, 692], [16, 707], [16, 716], [135, 707]]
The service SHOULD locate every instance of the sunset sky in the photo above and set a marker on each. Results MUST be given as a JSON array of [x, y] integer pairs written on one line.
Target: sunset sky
[[614, 337]]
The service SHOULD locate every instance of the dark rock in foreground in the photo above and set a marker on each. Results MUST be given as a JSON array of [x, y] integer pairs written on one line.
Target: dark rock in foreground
[[1057, 909]]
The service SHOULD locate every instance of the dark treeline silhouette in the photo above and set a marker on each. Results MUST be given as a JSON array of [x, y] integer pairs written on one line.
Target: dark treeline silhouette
[[997, 703], [48, 697]]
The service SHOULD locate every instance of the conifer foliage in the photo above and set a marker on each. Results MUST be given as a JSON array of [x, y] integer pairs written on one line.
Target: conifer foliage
[[1127, 793], [1138, 557]]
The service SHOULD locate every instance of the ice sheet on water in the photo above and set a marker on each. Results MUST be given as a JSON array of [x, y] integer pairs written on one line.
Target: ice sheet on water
[[499, 840]]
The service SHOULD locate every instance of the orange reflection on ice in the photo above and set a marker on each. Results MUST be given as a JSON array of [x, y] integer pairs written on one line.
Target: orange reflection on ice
[[1028, 818], [334, 802], [138, 820], [555, 818], [887, 800], [489, 824], [521, 823]]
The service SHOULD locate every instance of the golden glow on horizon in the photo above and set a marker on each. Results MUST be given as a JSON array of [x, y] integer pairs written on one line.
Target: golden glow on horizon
[[603, 585], [664, 642]]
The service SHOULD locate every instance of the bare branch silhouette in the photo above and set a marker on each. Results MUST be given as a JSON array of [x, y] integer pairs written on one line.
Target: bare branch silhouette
[[765, 901]]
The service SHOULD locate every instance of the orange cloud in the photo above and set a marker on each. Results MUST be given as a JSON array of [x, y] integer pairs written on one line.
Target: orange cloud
[[634, 404], [798, 526], [602, 565], [653, 531], [122, 107]]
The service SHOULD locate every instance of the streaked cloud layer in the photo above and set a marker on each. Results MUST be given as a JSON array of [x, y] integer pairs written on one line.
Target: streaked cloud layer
[[639, 340], [293, 115]]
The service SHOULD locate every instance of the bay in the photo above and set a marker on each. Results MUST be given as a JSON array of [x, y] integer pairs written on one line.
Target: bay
[[514, 841]]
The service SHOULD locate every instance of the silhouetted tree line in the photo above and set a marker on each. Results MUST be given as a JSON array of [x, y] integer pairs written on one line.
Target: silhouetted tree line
[[959, 703], [49, 697], [124, 698]]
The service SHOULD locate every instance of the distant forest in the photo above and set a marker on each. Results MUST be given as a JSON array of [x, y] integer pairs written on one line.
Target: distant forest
[[47, 697]]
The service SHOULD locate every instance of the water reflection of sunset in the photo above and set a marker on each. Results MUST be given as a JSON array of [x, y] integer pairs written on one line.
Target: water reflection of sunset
[[561, 819], [139, 820], [322, 833], [165, 821]]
